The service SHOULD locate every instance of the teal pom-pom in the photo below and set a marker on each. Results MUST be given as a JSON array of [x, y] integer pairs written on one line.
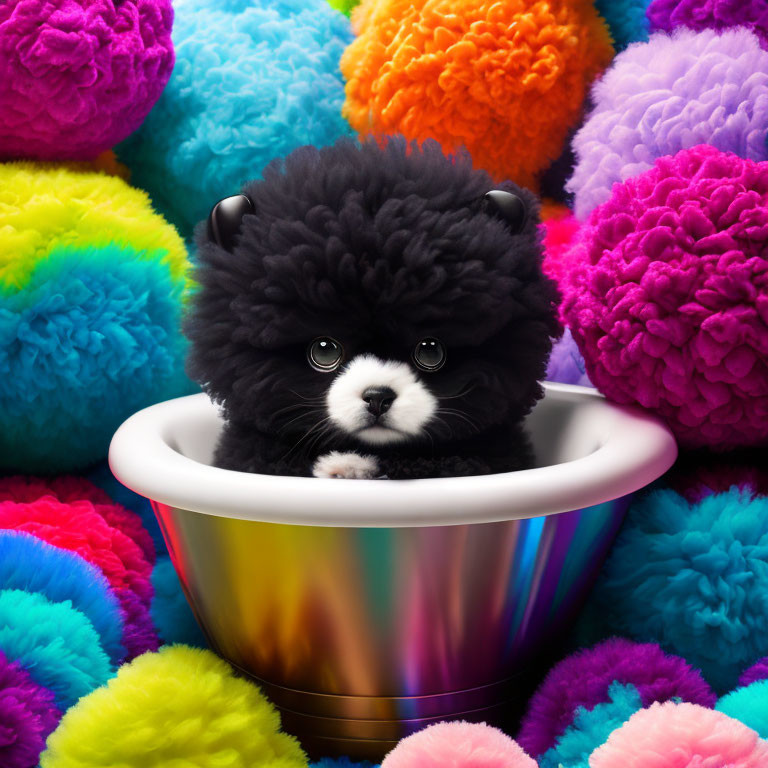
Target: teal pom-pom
[[253, 81], [341, 762], [171, 614], [55, 643], [692, 576], [31, 565], [93, 337], [626, 19], [591, 728], [748, 704]]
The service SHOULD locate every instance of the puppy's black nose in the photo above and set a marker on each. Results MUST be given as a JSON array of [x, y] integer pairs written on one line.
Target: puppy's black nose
[[379, 399]]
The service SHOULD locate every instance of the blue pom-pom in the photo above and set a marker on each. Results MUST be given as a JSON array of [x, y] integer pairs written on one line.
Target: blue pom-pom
[[171, 614], [32, 565], [91, 339], [253, 81], [626, 20], [591, 728], [692, 577], [341, 762], [54, 642], [748, 704]]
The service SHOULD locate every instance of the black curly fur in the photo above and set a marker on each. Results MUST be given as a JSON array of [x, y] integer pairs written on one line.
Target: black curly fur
[[378, 248]]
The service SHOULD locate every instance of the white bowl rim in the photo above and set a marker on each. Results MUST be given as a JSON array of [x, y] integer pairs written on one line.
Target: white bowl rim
[[636, 449]]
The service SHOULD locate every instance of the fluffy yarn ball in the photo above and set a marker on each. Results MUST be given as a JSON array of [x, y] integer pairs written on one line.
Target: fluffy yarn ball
[[710, 14], [583, 680], [27, 715], [254, 80], [671, 94], [748, 704], [566, 364], [180, 706], [692, 577], [78, 76], [626, 20], [668, 300], [79, 528], [459, 745], [681, 736], [54, 642], [505, 80], [31, 565], [91, 286]]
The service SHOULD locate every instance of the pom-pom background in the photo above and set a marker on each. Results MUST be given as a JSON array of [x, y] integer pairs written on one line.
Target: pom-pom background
[[78, 76], [178, 706], [253, 81], [584, 680], [54, 642], [710, 14], [670, 94], [27, 715], [748, 704], [91, 285], [668, 299], [626, 20], [692, 577], [681, 736], [505, 80]]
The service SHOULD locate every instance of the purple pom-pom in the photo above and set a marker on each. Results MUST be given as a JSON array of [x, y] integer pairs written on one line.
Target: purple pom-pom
[[710, 14], [668, 94], [583, 680], [27, 715], [566, 365], [79, 76], [758, 671]]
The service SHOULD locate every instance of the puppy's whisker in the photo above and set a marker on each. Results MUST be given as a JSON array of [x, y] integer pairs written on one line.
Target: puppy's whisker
[[315, 426], [463, 393], [460, 415], [317, 399], [295, 419]]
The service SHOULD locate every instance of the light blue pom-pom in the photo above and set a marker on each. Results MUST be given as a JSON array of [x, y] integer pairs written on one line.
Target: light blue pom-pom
[[692, 577], [32, 565], [341, 762], [171, 613], [93, 337], [748, 704], [254, 80], [626, 19], [54, 642], [591, 728]]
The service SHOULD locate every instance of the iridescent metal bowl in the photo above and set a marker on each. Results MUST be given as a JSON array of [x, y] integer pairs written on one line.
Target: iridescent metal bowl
[[367, 609]]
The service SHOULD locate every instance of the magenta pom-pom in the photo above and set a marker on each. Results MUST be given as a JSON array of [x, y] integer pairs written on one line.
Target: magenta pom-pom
[[584, 679], [79, 76], [682, 735], [668, 299], [458, 745], [710, 14], [28, 714]]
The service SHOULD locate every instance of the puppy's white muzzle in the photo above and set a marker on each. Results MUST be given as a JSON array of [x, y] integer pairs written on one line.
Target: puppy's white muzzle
[[411, 409]]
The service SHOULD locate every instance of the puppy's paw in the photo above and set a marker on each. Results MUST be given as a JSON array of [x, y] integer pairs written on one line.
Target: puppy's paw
[[351, 466]]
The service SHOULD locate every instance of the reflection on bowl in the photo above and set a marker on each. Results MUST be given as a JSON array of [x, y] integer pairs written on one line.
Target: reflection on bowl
[[367, 609]]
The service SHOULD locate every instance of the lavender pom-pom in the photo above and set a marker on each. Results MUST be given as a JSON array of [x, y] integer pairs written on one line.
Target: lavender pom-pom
[[566, 364], [668, 94]]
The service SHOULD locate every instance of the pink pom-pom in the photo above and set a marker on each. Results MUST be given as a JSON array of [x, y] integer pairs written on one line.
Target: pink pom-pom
[[458, 745], [681, 736], [559, 227], [668, 300]]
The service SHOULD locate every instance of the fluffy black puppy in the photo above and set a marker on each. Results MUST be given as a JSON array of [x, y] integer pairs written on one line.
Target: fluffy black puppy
[[367, 311]]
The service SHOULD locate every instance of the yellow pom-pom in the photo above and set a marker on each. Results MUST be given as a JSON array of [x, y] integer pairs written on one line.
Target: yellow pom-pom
[[179, 708], [506, 80]]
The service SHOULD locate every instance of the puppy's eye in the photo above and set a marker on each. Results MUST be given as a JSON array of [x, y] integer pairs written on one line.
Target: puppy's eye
[[325, 354], [429, 355]]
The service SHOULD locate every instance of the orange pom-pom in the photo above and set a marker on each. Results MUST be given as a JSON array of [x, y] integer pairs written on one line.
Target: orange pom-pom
[[506, 80]]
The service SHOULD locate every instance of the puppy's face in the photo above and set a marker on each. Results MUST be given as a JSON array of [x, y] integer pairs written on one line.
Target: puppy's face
[[373, 295]]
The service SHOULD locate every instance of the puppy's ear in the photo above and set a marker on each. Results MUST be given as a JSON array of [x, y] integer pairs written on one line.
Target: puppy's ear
[[507, 207], [225, 220]]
